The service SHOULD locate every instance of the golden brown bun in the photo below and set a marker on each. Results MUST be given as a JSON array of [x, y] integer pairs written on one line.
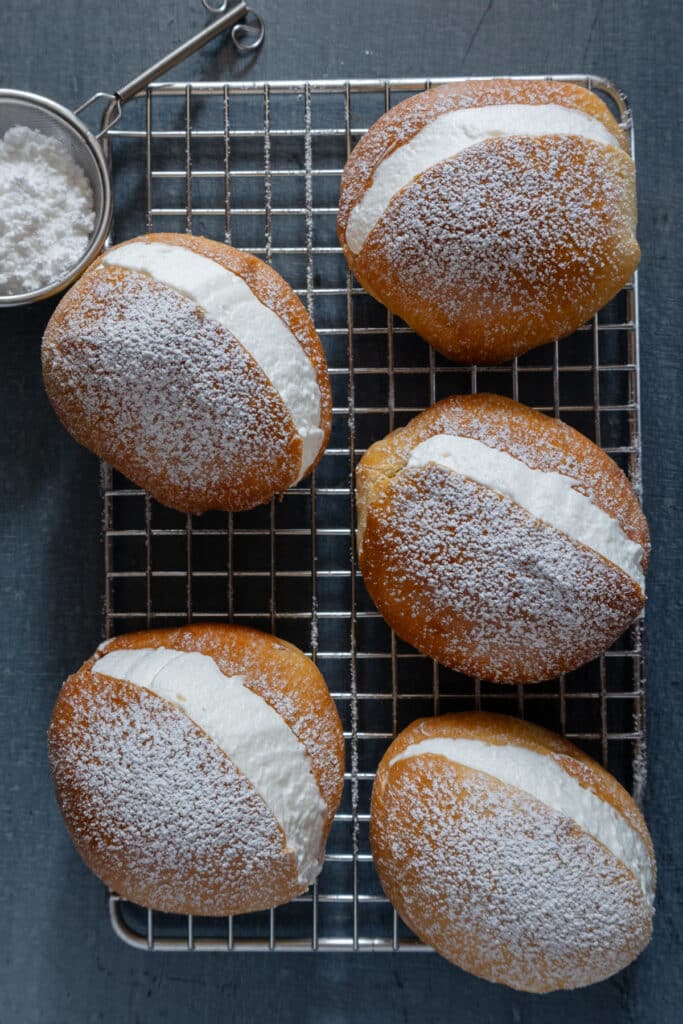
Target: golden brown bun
[[509, 244], [472, 579], [156, 808], [497, 881], [170, 398]]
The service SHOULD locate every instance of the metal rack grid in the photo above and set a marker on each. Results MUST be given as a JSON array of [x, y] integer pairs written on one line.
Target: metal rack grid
[[258, 165]]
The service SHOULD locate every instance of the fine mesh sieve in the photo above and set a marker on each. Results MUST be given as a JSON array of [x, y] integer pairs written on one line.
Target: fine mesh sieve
[[33, 111], [44, 115]]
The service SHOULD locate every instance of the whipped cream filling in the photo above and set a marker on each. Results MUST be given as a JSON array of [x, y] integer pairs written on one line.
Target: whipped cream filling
[[550, 497], [451, 133], [225, 298], [543, 778], [253, 735]]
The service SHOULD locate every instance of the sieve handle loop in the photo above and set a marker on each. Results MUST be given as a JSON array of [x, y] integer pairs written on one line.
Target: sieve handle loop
[[93, 99], [112, 112], [246, 35]]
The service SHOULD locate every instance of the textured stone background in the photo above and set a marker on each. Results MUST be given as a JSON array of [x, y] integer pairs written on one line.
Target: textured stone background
[[59, 961]]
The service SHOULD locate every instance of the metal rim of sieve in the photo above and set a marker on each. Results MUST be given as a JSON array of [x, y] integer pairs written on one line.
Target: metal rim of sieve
[[103, 196], [247, 32]]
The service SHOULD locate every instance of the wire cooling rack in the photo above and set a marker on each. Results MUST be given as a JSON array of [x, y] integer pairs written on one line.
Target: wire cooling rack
[[258, 165]]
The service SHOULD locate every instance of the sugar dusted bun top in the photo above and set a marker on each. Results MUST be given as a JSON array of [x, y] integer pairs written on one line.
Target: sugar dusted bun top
[[512, 852], [194, 369], [548, 496], [498, 540], [545, 779], [492, 216], [245, 727], [454, 131], [198, 769]]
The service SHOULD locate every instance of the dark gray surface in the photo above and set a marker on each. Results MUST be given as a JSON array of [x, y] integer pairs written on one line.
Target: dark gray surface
[[59, 961]]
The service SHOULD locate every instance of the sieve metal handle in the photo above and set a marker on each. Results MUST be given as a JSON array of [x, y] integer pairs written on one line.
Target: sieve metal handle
[[225, 21], [246, 37]]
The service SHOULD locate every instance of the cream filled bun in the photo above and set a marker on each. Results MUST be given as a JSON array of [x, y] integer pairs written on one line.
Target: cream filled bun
[[193, 369], [500, 541], [492, 216], [198, 769], [511, 852]]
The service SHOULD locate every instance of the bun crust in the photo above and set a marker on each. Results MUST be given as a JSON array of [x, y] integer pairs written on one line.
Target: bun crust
[[497, 881], [512, 242], [472, 579], [156, 808], [139, 375]]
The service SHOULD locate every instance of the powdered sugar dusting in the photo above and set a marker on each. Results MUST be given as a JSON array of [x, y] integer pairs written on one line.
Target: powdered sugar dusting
[[495, 592], [167, 396], [227, 299], [449, 134], [500, 884], [544, 778], [253, 735], [540, 442], [547, 496], [402, 122], [158, 810], [311, 716], [508, 236]]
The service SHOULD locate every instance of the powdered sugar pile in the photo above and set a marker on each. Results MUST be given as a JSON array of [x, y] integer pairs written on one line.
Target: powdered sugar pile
[[46, 211]]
